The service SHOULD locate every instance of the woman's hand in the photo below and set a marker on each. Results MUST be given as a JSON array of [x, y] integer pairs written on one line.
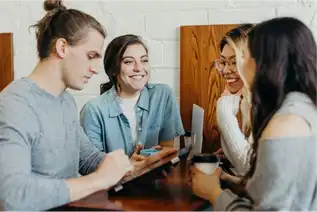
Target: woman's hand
[[139, 161], [220, 153], [206, 186], [227, 177], [226, 92]]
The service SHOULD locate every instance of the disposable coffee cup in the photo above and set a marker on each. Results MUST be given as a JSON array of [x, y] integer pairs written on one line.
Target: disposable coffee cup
[[206, 162]]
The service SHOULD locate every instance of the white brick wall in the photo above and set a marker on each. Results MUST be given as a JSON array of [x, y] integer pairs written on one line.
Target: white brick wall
[[157, 21]]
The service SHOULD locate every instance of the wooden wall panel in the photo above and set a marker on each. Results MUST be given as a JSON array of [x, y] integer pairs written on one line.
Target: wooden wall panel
[[199, 83], [6, 59]]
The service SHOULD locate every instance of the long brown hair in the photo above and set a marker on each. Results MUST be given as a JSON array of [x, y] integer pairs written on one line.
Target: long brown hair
[[285, 53], [113, 57]]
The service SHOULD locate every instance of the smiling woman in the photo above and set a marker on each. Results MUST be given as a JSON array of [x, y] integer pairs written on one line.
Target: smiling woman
[[130, 112], [232, 107], [226, 65]]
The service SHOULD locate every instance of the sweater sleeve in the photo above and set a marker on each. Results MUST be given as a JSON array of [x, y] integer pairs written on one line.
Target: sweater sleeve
[[233, 142], [273, 185], [90, 155], [22, 189], [90, 120]]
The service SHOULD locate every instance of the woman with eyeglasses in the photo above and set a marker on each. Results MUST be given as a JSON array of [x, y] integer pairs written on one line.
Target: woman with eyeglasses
[[232, 107]]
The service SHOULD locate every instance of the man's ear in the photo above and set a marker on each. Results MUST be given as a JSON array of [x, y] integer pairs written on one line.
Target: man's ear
[[60, 47]]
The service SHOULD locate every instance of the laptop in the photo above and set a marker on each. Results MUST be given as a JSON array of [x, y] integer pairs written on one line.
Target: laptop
[[197, 138], [197, 130]]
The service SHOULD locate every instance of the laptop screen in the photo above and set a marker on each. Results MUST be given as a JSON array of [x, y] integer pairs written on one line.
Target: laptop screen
[[197, 128]]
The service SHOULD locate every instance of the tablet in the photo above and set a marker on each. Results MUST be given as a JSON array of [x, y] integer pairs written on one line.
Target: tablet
[[169, 160]]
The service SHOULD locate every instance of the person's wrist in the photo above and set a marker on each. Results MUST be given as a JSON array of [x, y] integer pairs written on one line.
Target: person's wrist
[[214, 195], [98, 182]]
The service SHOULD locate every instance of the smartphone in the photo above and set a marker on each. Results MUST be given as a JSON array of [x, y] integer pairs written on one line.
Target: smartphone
[[148, 152]]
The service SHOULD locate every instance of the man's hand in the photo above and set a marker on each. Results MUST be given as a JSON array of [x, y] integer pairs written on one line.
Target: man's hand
[[113, 168]]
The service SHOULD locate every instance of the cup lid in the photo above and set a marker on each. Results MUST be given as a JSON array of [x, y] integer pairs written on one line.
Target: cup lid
[[205, 158]]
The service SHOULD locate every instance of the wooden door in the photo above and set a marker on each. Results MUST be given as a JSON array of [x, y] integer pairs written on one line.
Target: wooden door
[[200, 83], [6, 59]]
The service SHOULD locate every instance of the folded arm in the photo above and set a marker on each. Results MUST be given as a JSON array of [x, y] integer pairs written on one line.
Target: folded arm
[[234, 143]]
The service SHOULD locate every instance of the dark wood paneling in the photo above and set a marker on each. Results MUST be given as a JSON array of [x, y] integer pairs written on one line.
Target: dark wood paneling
[[199, 83], [6, 59]]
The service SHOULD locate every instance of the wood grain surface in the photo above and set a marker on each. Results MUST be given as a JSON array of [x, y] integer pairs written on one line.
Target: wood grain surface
[[200, 83], [6, 59]]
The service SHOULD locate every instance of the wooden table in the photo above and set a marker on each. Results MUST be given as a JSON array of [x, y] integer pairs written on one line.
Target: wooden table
[[167, 193]]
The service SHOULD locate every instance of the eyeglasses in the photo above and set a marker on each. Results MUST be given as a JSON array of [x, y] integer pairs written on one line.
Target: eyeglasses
[[220, 64]]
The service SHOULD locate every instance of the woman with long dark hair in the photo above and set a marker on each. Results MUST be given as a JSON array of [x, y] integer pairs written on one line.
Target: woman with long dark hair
[[132, 113], [279, 68]]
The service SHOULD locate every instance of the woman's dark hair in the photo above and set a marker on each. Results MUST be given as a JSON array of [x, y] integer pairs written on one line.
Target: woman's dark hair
[[60, 22], [113, 57], [235, 34], [284, 51]]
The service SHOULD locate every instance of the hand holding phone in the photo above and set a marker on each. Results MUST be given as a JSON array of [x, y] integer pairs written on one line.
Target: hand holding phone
[[149, 152]]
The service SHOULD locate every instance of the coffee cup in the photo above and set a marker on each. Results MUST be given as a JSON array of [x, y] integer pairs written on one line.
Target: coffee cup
[[206, 162]]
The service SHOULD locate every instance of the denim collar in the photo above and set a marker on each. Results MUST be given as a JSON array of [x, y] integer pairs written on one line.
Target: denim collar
[[114, 107]]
